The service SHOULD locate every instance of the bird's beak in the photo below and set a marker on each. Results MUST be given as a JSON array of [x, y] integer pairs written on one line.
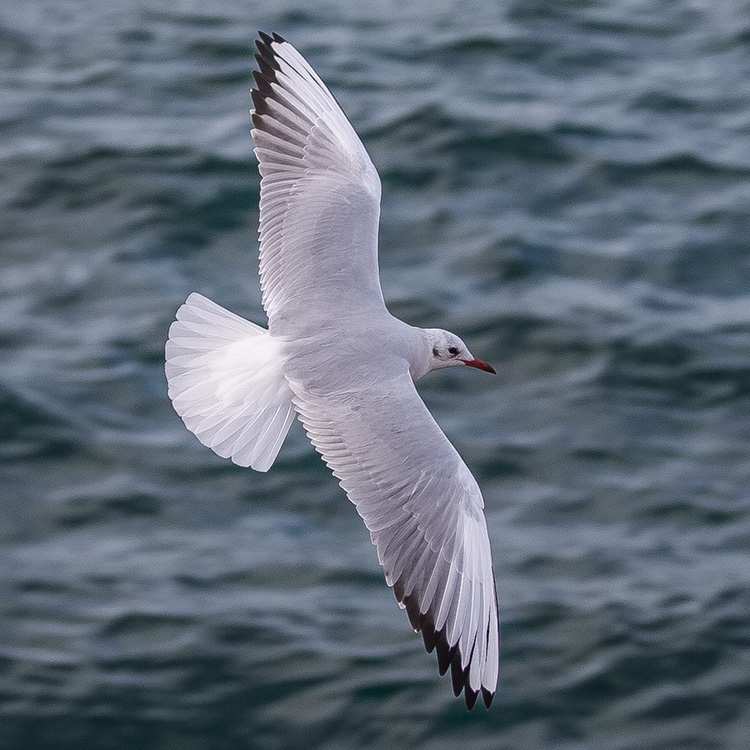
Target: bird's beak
[[480, 365]]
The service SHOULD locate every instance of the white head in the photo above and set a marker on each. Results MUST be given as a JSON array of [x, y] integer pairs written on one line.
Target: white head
[[447, 350]]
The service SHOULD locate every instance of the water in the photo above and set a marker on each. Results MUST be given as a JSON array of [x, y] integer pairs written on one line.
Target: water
[[565, 186]]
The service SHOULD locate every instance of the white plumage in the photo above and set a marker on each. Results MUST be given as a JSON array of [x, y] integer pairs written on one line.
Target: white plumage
[[226, 383], [334, 355]]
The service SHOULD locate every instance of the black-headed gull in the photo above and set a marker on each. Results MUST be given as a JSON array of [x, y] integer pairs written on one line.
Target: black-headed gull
[[336, 357]]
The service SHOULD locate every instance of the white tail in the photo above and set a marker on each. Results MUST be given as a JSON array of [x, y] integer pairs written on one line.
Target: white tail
[[225, 381]]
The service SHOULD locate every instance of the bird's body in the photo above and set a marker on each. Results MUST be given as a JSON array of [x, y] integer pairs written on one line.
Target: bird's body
[[334, 356]]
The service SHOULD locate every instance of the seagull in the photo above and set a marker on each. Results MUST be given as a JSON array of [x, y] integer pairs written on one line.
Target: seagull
[[337, 359]]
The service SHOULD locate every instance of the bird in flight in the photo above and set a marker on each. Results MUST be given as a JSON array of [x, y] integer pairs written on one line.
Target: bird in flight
[[337, 359]]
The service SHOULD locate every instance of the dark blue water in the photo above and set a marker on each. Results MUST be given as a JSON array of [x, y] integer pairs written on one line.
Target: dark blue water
[[566, 185]]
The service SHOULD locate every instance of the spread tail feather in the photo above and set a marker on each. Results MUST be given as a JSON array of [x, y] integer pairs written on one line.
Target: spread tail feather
[[225, 381]]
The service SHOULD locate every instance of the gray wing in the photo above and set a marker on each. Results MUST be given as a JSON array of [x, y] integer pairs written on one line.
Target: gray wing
[[319, 198], [424, 511]]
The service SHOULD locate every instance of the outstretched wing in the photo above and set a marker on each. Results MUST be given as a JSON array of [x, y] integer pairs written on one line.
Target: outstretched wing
[[319, 198], [424, 511], [319, 214]]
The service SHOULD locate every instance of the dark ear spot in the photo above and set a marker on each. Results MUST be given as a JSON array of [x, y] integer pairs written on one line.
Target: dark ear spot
[[435, 351], [452, 350]]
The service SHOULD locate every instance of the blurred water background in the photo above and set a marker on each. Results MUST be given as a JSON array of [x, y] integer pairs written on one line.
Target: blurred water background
[[566, 185]]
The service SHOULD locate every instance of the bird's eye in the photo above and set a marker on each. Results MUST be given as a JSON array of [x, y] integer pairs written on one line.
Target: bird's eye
[[435, 351], [452, 350]]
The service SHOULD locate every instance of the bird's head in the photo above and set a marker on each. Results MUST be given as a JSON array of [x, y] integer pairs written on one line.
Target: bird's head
[[447, 350]]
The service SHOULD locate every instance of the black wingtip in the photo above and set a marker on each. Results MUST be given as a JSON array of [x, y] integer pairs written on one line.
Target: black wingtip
[[429, 636], [266, 60], [457, 675], [445, 653], [266, 57], [459, 680], [261, 92], [487, 697], [263, 77], [447, 656], [411, 606], [269, 39]]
